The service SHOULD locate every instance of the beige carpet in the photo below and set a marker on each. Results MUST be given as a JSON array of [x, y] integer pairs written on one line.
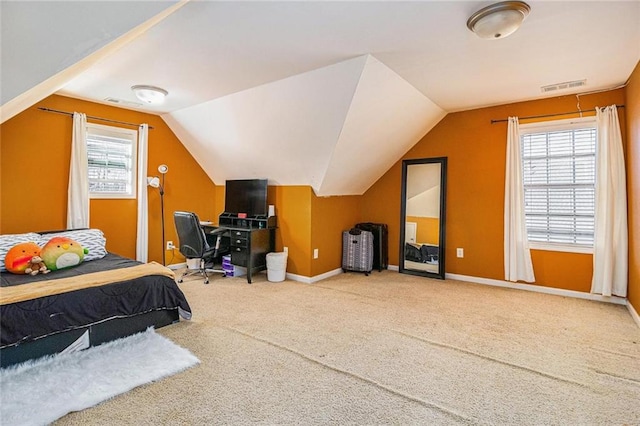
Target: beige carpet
[[390, 349]]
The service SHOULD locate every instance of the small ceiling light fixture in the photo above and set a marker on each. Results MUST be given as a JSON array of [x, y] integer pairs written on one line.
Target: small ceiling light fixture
[[498, 20], [149, 94]]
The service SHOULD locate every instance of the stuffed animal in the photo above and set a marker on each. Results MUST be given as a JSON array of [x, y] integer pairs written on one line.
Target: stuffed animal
[[35, 266], [19, 257], [62, 252]]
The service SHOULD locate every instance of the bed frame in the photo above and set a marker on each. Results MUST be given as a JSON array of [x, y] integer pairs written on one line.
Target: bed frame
[[99, 333]]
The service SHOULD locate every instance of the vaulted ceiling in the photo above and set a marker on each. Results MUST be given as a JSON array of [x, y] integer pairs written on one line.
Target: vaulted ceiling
[[326, 94]]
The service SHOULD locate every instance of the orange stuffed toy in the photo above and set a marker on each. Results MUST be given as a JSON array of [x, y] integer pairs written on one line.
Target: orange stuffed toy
[[24, 258]]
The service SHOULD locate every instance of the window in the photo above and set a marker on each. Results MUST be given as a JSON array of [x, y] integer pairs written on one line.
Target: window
[[112, 161], [559, 172]]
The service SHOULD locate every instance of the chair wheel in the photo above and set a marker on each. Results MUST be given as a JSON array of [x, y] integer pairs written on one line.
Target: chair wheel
[[206, 281], [180, 281]]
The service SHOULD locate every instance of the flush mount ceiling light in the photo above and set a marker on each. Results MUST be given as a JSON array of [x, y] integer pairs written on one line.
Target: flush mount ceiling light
[[149, 94], [498, 20]]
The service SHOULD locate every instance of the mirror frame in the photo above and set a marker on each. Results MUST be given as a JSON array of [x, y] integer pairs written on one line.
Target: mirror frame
[[403, 215]]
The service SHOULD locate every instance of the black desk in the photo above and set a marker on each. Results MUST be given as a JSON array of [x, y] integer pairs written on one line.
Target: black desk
[[249, 247]]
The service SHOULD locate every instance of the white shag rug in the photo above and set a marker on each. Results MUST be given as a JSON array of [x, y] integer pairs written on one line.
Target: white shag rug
[[41, 391]]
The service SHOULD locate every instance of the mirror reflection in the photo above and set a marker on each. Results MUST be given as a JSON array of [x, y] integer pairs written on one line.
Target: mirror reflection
[[423, 213]]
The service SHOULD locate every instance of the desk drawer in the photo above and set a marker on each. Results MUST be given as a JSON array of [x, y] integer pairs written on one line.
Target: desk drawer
[[239, 256], [239, 234], [239, 242]]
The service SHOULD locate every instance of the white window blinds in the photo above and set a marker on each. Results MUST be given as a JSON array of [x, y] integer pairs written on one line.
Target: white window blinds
[[559, 183], [112, 161]]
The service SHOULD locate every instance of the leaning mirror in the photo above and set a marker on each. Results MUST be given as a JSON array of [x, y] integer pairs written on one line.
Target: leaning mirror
[[422, 231]]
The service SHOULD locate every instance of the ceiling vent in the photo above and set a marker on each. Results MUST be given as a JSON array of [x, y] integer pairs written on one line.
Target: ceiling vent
[[563, 86], [122, 102]]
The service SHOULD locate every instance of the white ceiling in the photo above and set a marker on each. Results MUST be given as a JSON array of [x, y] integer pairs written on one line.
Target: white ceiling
[[46, 44], [330, 94]]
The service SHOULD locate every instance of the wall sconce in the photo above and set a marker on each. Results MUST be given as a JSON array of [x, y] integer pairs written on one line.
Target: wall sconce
[[154, 182]]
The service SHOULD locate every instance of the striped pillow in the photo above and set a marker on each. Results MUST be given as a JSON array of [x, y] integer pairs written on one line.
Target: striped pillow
[[10, 240], [91, 239]]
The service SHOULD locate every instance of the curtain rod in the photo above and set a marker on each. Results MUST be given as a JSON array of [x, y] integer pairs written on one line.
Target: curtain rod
[[549, 115], [91, 117]]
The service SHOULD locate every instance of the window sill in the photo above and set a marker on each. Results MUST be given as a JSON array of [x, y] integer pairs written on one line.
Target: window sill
[[105, 196], [569, 248]]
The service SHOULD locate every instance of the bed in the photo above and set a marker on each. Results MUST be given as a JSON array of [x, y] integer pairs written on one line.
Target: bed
[[422, 257], [422, 253], [36, 323]]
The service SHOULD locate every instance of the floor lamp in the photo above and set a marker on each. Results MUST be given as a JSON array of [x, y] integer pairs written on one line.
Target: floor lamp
[[155, 183]]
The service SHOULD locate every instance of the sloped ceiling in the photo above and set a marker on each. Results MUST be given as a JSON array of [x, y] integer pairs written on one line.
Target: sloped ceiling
[[326, 94], [337, 128], [387, 117], [423, 190], [422, 177], [46, 44], [425, 204]]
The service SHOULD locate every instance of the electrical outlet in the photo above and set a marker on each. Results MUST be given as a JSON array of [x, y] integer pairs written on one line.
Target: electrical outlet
[[315, 253], [286, 249], [460, 252], [170, 245]]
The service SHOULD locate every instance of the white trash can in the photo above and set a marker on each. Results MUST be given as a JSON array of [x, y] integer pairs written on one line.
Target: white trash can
[[276, 266], [194, 263]]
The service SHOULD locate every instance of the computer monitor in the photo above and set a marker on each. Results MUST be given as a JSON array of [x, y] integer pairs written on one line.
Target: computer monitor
[[247, 196]]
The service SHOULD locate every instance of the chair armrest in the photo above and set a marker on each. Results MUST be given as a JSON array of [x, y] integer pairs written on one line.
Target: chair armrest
[[219, 230]]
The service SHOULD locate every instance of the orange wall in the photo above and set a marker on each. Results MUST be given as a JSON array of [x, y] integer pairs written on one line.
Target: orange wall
[[569, 271], [476, 152], [293, 208], [35, 149], [307, 222], [428, 229], [475, 148], [331, 216], [633, 184], [381, 204]]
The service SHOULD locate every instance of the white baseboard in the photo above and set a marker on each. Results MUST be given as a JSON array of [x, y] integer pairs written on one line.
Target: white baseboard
[[497, 283], [316, 278], [529, 287], [539, 289], [298, 278], [634, 313]]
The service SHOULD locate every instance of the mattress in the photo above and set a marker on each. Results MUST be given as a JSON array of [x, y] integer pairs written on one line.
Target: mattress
[[33, 319]]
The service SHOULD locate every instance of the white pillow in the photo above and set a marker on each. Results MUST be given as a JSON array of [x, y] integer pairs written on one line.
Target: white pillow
[[9, 240], [91, 239]]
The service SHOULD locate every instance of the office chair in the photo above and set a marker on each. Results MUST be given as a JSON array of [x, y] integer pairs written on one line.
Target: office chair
[[193, 244]]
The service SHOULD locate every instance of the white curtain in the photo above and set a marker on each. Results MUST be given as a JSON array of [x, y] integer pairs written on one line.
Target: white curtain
[[517, 257], [78, 193], [610, 248], [142, 240]]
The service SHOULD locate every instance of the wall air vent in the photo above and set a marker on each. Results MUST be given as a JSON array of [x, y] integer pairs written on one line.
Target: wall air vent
[[122, 102], [563, 86]]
